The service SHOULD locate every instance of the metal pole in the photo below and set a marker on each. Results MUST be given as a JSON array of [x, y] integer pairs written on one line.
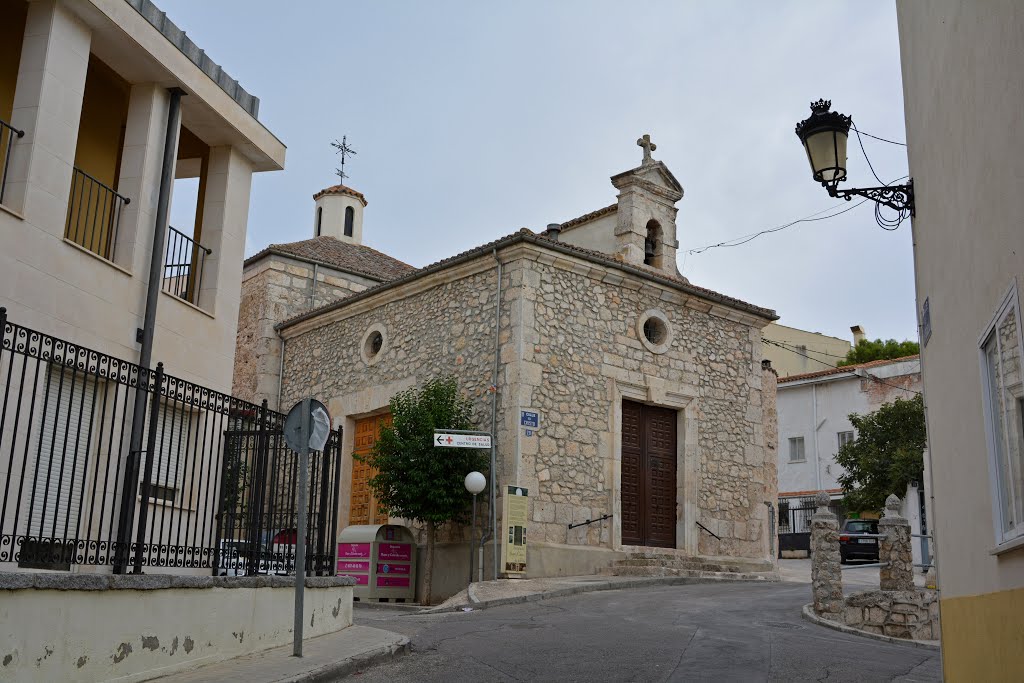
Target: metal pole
[[300, 536], [493, 496], [145, 334], [472, 541]]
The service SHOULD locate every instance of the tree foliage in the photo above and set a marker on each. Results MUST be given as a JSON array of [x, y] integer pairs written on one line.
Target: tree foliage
[[867, 351], [415, 479], [887, 454]]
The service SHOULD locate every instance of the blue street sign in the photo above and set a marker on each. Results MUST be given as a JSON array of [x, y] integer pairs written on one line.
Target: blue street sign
[[529, 418]]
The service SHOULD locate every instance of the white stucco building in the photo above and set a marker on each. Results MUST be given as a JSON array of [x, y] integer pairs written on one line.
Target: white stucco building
[[813, 418]]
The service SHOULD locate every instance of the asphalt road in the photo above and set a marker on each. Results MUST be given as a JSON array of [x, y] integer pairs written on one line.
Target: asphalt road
[[705, 632]]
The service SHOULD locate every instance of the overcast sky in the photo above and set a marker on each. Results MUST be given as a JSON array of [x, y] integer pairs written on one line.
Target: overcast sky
[[473, 119]]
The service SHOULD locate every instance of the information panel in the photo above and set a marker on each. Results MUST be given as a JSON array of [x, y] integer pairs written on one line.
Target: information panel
[[515, 515]]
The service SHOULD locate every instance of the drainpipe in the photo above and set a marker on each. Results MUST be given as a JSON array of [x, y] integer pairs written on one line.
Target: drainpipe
[[491, 533], [144, 336], [312, 296], [817, 463], [280, 371]]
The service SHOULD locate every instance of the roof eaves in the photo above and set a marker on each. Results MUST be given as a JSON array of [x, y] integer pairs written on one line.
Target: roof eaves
[[271, 250], [526, 235]]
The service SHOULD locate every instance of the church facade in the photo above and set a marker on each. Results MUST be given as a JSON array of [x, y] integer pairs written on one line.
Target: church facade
[[654, 407]]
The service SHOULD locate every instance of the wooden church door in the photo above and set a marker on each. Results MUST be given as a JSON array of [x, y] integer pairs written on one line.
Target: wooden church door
[[363, 508], [648, 475]]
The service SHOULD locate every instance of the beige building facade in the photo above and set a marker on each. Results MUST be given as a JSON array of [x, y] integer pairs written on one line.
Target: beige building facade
[[654, 405], [88, 89], [963, 96], [86, 113], [794, 351]]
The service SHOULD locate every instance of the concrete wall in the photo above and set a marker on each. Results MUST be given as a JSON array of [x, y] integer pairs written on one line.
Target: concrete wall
[[12, 29], [59, 627], [963, 96], [830, 400], [827, 349]]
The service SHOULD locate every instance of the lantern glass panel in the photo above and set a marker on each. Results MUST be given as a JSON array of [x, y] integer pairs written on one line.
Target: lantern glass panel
[[826, 151]]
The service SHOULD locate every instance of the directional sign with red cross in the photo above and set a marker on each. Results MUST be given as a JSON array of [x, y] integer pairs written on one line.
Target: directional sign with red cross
[[454, 440]]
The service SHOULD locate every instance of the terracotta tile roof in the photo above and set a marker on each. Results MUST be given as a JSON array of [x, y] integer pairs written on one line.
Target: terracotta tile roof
[[794, 494], [334, 253], [845, 369], [587, 217], [526, 235], [341, 189]]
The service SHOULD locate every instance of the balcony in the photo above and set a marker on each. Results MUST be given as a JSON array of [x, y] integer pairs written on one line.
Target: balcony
[[8, 134], [94, 214], [184, 260]]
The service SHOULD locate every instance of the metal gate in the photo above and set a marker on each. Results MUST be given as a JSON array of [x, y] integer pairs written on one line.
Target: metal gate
[[795, 522]]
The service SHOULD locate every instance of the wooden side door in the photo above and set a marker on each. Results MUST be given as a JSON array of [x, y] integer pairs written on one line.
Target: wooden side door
[[363, 507], [633, 480]]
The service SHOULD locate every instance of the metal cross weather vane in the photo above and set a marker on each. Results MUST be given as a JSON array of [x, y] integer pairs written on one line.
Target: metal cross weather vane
[[342, 149]]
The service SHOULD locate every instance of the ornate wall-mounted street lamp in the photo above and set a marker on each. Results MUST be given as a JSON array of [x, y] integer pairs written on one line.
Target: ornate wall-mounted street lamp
[[824, 135]]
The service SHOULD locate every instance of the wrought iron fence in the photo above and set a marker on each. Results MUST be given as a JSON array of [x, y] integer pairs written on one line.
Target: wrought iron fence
[[795, 514], [184, 262], [94, 214], [214, 487], [8, 134]]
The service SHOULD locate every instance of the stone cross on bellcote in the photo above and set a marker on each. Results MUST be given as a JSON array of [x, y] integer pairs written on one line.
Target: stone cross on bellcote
[[648, 147]]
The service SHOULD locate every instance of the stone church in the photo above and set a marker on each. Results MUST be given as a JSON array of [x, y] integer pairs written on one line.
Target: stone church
[[655, 407]]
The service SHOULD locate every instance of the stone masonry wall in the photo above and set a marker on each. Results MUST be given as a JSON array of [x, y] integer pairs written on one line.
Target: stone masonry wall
[[446, 330], [568, 339], [588, 339], [273, 290]]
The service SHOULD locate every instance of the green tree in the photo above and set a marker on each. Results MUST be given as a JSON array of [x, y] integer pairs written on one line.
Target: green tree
[[415, 479], [887, 454], [868, 350]]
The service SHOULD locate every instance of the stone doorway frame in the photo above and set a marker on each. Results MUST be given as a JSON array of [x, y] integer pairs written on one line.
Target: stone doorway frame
[[681, 398]]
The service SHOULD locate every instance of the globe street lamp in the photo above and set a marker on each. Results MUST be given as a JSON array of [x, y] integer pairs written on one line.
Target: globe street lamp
[[475, 483], [824, 135]]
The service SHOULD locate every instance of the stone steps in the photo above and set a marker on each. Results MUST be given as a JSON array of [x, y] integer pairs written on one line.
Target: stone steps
[[660, 563]]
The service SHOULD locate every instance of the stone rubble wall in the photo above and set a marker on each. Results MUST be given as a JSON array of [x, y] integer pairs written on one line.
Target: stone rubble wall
[[568, 339], [273, 290], [445, 330], [910, 614]]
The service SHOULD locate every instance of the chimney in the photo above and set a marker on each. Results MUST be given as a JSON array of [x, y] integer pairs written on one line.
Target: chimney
[[553, 231], [858, 334]]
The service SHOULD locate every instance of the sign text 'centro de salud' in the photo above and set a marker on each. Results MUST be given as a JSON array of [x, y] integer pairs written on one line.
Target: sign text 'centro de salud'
[[460, 440]]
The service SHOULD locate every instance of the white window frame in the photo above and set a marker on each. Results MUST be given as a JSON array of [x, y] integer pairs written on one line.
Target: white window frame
[[1009, 302], [839, 438], [803, 448]]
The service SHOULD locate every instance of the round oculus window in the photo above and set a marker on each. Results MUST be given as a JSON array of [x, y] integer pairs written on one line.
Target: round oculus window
[[654, 331], [374, 344]]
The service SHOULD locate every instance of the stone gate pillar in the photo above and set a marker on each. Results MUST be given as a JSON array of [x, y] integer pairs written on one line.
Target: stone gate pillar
[[826, 577], [894, 551]]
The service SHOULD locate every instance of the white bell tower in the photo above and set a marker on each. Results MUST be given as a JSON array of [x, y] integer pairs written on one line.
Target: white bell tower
[[339, 214]]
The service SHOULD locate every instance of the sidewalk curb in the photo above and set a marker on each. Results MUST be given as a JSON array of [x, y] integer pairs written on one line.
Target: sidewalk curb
[[587, 588], [808, 613], [335, 670]]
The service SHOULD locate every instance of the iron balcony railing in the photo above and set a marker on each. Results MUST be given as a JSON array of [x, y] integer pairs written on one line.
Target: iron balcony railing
[[94, 214], [213, 488], [8, 134], [184, 262]]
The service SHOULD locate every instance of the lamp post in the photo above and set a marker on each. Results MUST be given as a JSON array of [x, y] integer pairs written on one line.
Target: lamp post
[[824, 135], [475, 483]]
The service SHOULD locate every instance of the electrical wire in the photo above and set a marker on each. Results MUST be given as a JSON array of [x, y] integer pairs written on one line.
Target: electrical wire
[[797, 348], [737, 241], [891, 142], [839, 367], [865, 153]]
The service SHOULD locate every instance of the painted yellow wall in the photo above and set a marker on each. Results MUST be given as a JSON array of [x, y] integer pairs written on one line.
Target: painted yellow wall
[[101, 132], [12, 29], [983, 637], [828, 350], [101, 128]]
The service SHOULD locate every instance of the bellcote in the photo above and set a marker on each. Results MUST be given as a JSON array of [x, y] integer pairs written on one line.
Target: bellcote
[[645, 230], [339, 214]]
